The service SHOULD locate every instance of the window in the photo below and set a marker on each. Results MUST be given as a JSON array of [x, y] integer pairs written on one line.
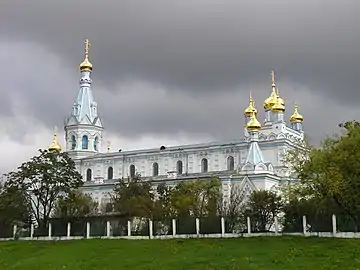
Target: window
[[96, 142], [155, 169], [110, 173], [179, 167], [73, 142], [88, 175], [85, 142], [230, 163], [108, 208], [132, 170], [204, 165]]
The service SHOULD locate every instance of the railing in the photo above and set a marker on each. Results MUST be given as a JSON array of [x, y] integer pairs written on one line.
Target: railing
[[214, 227]]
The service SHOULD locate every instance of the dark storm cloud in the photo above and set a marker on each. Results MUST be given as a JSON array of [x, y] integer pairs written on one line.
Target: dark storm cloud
[[202, 53]]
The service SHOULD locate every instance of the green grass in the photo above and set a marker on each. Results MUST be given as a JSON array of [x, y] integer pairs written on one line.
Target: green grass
[[283, 253]]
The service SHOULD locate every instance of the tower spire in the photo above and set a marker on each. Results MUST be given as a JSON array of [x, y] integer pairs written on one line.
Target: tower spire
[[254, 155], [86, 64], [271, 100], [84, 127]]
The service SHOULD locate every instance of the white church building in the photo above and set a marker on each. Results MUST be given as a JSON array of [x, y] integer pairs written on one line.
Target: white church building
[[252, 162]]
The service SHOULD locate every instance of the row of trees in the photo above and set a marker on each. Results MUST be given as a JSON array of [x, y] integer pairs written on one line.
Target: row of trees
[[47, 186]]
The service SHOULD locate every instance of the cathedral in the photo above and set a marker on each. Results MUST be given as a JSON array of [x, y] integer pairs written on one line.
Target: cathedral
[[255, 161]]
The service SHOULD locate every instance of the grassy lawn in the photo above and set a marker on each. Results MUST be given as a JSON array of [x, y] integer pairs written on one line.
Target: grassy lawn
[[283, 253]]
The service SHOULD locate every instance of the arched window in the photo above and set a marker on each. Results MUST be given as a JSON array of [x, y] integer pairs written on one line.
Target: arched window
[[110, 173], [96, 142], [73, 142], [108, 208], [230, 163], [155, 169], [88, 175], [179, 167], [204, 165], [85, 142], [132, 170]]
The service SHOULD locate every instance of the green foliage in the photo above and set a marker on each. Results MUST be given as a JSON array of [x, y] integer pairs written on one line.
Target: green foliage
[[331, 173], [14, 208], [133, 198], [43, 179], [75, 204], [196, 198], [262, 207]]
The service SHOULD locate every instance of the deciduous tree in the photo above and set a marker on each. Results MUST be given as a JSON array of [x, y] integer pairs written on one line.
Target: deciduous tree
[[43, 179], [75, 204]]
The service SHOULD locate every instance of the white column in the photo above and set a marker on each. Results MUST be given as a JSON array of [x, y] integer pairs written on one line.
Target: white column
[[87, 229], [14, 231], [276, 225], [50, 230], [129, 228], [150, 229], [108, 228], [173, 227], [32, 231], [334, 227], [304, 225], [68, 229], [248, 225], [222, 227], [197, 223]]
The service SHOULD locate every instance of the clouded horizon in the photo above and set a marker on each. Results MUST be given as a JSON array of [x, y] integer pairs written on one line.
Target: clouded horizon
[[174, 72]]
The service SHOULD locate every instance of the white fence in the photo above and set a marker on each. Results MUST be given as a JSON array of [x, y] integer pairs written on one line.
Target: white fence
[[173, 233]]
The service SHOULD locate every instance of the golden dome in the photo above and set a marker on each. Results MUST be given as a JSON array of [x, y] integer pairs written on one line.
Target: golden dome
[[253, 124], [296, 117], [272, 99], [55, 146], [278, 106], [251, 108], [86, 65]]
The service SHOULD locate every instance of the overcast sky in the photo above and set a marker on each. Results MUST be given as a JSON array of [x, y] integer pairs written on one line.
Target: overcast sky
[[174, 71]]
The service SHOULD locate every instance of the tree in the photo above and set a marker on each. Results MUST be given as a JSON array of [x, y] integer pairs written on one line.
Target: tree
[[14, 208], [43, 179], [331, 173], [197, 198], [75, 204], [133, 198], [262, 207], [232, 210]]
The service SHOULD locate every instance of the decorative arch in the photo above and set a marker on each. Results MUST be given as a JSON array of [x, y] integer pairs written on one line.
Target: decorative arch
[[88, 175], [85, 142], [110, 173], [179, 167], [132, 170], [96, 143], [155, 169], [204, 165], [230, 163], [73, 142]]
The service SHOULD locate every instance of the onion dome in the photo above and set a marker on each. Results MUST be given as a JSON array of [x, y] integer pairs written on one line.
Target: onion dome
[[86, 65], [272, 99], [278, 107], [55, 146], [251, 108], [253, 124], [296, 117]]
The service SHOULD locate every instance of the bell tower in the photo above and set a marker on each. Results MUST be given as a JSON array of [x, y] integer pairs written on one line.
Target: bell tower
[[83, 127]]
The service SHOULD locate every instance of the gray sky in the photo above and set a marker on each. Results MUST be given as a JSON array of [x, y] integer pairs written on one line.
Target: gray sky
[[174, 71]]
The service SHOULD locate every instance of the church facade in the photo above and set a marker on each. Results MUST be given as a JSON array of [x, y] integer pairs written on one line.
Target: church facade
[[252, 162]]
